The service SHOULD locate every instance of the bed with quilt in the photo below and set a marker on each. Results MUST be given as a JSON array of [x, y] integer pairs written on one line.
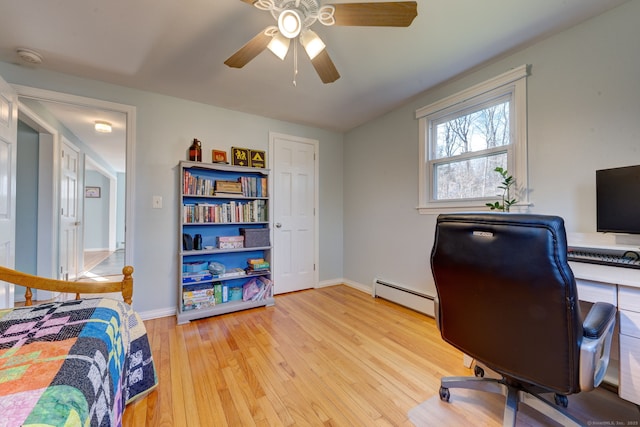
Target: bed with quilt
[[72, 363]]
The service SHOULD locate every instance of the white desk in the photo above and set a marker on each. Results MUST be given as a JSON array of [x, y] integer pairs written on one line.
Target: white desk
[[621, 287]]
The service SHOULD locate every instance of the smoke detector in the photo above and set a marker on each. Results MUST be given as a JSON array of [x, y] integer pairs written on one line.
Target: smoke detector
[[30, 56]]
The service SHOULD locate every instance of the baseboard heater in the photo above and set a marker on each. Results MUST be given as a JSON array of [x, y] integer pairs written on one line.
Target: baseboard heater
[[410, 298]]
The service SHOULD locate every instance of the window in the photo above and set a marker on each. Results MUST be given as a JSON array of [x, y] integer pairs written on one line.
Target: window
[[464, 137]]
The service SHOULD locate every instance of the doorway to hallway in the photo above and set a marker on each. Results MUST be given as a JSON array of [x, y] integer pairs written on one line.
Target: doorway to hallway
[[103, 265]]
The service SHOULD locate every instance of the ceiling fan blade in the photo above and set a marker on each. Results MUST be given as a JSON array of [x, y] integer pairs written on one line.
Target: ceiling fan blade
[[251, 2], [325, 68], [249, 51], [386, 14]]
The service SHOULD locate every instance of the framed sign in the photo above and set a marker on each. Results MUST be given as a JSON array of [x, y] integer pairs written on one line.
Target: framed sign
[[239, 156], [92, 192], [218, 156], [257, 158]]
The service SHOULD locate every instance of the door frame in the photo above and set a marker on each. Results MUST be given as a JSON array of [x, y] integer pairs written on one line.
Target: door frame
[[8, 154], [130, 113], [48, 193], [273, 137]]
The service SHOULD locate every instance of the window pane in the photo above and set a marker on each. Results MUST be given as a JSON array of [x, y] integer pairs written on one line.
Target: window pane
[[479, 130], [471, 178]]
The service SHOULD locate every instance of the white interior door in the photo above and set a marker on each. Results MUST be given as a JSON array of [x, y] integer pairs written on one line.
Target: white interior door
[[8, 149], [294, 200], [69, 218]]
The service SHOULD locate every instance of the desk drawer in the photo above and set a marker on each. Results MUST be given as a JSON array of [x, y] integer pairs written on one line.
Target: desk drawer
[[629, 298], [591, 291], [629, 369], [630, 323]]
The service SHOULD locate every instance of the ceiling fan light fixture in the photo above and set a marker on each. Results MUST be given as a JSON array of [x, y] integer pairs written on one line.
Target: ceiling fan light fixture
[[279, 45], [289, 23], [312, 43], [102, 126]]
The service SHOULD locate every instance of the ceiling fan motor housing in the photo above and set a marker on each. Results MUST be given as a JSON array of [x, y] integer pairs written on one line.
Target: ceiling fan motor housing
[[306, 10]]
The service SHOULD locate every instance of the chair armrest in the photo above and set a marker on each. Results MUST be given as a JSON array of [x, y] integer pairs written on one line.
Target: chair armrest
[[598, 319], [596, 344]]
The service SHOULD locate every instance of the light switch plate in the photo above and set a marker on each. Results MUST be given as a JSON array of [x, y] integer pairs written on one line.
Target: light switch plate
[[157, 202]]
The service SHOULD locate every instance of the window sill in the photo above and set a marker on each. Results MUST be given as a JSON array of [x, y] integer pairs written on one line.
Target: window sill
[[468, 207]]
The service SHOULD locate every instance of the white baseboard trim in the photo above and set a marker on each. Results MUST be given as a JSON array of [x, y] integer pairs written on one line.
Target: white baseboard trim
[[156, 314], [355, 285], [327, 283]]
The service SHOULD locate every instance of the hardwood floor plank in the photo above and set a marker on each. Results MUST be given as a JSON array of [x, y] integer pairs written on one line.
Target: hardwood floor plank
[[333, 356], [181, 399]]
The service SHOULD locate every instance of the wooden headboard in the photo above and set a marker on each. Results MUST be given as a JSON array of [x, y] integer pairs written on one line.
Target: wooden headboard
[[35, 282]]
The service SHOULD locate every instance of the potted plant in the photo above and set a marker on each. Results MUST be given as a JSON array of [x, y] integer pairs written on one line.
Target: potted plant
[[508, 181]]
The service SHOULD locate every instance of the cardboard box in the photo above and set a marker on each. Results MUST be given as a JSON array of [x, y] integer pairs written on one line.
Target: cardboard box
[[198, 296]]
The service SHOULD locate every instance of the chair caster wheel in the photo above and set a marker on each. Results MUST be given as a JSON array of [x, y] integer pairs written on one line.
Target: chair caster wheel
[[444, 394], [478, 372], [561, 400]]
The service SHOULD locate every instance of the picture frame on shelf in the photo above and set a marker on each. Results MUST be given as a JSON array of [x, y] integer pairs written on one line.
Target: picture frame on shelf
[[257, 159], [92, 192], [219, 156], [240, 156]]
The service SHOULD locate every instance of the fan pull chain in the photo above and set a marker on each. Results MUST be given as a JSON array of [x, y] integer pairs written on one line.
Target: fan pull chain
[[295, 61]]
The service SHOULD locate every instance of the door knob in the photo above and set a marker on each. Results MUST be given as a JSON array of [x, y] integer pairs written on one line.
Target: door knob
[[278, 225]]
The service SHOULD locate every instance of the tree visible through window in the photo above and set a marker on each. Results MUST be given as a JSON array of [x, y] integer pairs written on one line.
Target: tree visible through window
[[465, 137], [467, 150]]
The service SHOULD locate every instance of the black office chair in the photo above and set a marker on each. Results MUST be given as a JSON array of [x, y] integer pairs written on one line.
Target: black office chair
[[507, 298]]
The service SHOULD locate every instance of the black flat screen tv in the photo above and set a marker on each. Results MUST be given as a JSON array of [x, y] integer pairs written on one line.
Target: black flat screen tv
[[618, 200]]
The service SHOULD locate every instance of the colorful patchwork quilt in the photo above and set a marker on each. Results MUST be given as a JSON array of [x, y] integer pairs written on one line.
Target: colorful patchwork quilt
[[73, 363]]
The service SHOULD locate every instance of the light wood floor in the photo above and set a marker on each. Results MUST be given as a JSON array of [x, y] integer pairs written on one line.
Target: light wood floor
[[326, 357], [93, 258]]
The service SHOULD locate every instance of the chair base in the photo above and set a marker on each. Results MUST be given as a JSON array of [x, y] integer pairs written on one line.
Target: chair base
[[514, 395]]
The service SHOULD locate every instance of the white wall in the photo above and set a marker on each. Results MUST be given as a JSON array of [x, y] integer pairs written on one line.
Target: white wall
[[96, 213], [164, 130], [583, 112]]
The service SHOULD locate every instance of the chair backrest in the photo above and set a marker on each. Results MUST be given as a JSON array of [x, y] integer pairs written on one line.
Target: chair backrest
[[507, 296]]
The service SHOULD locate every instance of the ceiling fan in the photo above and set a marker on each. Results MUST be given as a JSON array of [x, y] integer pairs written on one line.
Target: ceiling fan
[[295, 17]]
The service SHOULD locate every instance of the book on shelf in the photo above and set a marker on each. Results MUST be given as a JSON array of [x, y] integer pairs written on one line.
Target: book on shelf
[[256, 265], [247, 186], [233, 211], [221, 293], [254, 186], [196, 186]]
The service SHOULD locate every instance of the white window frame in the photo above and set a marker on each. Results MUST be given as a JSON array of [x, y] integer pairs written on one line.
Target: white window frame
[[513, 82]]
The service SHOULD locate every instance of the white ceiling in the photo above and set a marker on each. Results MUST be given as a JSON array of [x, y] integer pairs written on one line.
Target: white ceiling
[[178, 48], [80, 120]]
